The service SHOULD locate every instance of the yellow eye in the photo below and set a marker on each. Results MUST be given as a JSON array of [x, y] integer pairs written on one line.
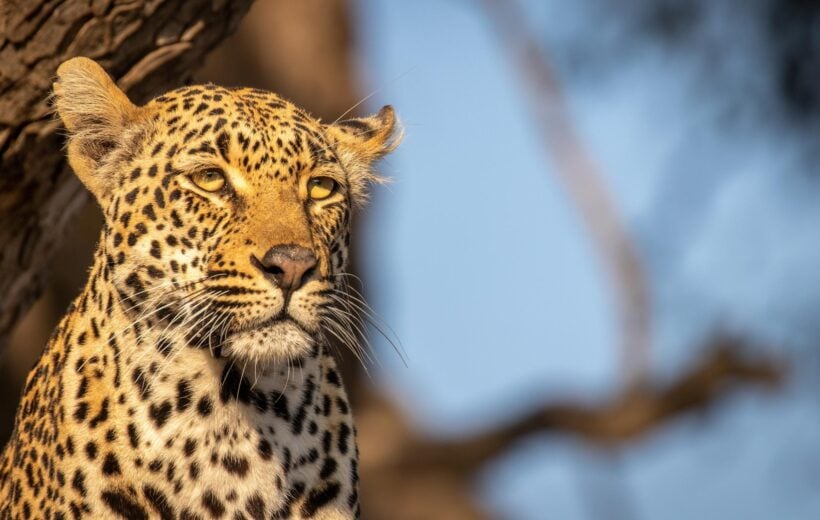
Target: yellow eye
[[209, 180], [321, 187]]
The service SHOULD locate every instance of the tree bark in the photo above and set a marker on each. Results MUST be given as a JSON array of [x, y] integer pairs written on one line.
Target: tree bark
[[149, 45]]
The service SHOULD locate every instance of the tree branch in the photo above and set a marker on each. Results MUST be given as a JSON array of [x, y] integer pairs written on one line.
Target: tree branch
[[625, 418], [585, 185]]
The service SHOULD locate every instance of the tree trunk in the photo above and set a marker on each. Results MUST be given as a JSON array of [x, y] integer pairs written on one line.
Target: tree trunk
[[149, 46]]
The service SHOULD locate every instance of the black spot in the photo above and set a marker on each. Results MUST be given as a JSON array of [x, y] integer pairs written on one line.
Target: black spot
[[213, 504], [186, 514], [143, 386], [159, 502], [190, 447], [164, 346], [200, 108], [183, 395], [102, 416], [133, 435], [279, 405], [328, 468], [111, 465], [301, 413], [234, 386], [175, 219], [160, 414], [265, 450], [344, 409], [170, 472], [156, 273], [81, 411], [78, 482], [235, 465], [318, 498], [159, 198], [91, 450], [133, 280], [255, 506], [327, 440], [332, 377], [205, 406], [131, 196], [193, 470], [299, 420], [223, 142], [124, 505], [344, 435], [260, 401], [148, 211]]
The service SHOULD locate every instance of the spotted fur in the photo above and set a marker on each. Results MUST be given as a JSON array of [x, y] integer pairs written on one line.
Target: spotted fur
[[186, 382]]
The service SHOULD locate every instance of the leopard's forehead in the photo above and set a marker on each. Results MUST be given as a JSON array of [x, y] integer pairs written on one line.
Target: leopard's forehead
[[259, 132]]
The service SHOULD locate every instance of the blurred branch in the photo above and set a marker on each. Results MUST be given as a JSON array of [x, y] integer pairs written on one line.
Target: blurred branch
[[148, 46], [626, 418], [581, 177], [401, 464]]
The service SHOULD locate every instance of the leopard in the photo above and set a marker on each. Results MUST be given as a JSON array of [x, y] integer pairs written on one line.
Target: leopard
[[196, 376]]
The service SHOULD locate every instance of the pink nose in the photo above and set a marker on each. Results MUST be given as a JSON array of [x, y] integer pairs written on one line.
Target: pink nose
[[289, 265]]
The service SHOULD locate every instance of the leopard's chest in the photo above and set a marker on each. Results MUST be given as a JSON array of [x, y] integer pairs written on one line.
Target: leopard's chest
[[238, 447], [226, 464]]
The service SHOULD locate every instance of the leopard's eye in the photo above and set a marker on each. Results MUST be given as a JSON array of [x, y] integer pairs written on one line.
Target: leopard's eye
[[209, 180], [321, 187]]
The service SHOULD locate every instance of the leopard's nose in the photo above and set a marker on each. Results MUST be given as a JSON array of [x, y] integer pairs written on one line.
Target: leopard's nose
[[289, 265]]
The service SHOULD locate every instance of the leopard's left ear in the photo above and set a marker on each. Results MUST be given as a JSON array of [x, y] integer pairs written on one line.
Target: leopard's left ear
[[96, 114], [360, 142]]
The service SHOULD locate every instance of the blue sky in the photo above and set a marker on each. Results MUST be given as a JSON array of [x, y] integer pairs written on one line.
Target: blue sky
[[474, 256]]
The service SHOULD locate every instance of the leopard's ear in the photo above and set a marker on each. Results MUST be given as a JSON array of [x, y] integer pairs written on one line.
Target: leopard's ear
[[360, 142], [96, 114]]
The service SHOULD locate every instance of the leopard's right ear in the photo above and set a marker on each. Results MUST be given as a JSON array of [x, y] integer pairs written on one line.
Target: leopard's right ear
[[96, 113]]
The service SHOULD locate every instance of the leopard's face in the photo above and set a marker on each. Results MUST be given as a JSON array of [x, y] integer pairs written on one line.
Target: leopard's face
[[228, 215]]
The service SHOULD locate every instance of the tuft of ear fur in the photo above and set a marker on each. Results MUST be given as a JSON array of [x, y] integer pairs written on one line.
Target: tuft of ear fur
[[96, 114], [362, 141]]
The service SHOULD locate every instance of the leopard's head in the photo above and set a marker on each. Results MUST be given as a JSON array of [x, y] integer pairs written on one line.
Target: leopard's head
[[227, 211]]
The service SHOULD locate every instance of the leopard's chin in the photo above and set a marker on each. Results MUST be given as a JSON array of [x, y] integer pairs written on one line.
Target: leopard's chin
[[269, 346]]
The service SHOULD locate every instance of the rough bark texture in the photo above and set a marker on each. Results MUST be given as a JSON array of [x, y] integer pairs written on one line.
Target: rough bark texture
[[149, 46]]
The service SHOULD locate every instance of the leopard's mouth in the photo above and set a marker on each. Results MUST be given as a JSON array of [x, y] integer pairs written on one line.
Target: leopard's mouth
[[282, 318], [270, 341]]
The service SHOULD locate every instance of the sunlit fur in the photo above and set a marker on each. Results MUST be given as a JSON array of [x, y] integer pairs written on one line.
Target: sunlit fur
[[180, 338]]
